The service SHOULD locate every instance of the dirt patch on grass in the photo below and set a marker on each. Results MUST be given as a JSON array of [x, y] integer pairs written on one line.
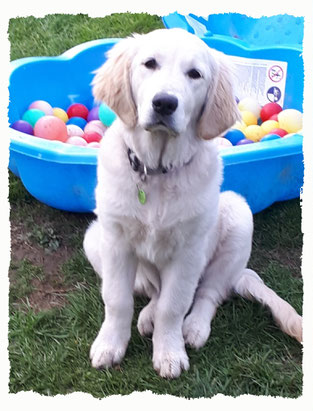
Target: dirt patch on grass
[[49, 289]]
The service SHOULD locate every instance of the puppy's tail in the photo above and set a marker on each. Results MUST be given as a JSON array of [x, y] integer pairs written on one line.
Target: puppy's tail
[[251, 286]]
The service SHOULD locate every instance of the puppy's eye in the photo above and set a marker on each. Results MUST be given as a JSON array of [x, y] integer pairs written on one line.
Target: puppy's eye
[[194, 74], [151, 64]]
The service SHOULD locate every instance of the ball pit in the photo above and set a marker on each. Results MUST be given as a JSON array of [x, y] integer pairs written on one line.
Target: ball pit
[[272, 120], [263, 172], [76, 125]]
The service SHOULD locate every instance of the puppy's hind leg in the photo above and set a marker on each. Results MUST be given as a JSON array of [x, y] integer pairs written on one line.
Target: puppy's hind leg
[[250, 286], [91, 246], [233, 236]]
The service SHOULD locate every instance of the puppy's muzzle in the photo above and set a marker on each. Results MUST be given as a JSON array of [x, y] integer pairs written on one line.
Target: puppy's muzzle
[[164, 104]]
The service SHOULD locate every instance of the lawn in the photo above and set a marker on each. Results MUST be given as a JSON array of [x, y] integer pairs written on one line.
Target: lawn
[[55, 305]]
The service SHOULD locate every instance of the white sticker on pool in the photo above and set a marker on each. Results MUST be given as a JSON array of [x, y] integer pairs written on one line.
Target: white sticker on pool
[[264, 80]]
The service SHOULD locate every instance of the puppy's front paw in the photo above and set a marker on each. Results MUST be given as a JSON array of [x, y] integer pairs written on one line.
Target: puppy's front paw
[[170, 364], [107, 352], [195, 331]]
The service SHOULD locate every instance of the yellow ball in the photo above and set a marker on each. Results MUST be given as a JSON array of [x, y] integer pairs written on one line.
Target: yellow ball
[[290, 120], [239, 125], [269, 125], [250, 104], [254, 133], [59, 112], [249, 118]]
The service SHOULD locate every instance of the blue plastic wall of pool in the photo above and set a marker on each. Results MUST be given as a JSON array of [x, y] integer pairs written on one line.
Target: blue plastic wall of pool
[[64, 176]]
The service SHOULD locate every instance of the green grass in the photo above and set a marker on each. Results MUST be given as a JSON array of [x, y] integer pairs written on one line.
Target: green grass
[[49, 349]]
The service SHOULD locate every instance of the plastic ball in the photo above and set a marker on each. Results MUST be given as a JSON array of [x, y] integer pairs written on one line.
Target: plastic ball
[[279, 131], [23, 127], [73, 130], [250, 104], [93, 114], [254, 133], [244, 141], [76, 141], [106, 115], [77, 110], [239, 125], [222, 142], [51, 128], [32, 116], [269, 137], [268, 110], [274, 117], [249, 118], [94, 144], [43, 106], [59, 112], [96, 126], [269, 125], [234, 135], [92, 136], [78, 121], [290, 120]]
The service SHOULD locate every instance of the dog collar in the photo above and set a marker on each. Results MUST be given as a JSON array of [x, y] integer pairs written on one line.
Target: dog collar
[[142, 169]]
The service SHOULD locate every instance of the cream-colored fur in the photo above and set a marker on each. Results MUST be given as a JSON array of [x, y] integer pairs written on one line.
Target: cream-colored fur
[[188, 246]]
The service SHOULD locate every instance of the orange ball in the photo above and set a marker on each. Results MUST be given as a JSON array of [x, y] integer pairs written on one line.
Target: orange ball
[[51, 128]]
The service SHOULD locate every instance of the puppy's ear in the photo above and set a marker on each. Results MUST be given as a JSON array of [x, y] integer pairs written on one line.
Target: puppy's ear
[[111, 83], [220, 111]]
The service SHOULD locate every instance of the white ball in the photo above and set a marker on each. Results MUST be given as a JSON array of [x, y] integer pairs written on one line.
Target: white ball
[[222, 142], [73, 130], [250, 104]]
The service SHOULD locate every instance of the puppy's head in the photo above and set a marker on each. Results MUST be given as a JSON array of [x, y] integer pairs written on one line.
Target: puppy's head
[[168, 81]]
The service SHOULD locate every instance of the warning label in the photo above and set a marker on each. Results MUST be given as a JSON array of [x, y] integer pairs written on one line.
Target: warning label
[[264, 80]]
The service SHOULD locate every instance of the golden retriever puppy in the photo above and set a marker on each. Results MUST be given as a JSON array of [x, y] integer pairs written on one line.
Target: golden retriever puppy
[[163, 228]]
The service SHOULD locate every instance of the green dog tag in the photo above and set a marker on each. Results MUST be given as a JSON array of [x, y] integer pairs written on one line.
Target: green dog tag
[[142, 196]]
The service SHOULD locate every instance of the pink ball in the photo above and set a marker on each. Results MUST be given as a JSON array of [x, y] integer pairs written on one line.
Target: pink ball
[[51, 128], [94, 144], [76, 141], [73, 130], [43, 106], [95, 126], [91, 137]]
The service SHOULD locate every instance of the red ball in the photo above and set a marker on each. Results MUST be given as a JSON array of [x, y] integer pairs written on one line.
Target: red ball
[[92, 136], [269, 110], [51, 128], [77, 110], [279, 131]]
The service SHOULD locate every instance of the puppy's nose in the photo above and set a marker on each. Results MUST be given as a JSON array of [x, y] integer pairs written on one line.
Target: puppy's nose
[[164, 104]]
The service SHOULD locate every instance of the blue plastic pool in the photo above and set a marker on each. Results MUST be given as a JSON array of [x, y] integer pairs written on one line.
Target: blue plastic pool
[[64, 176]]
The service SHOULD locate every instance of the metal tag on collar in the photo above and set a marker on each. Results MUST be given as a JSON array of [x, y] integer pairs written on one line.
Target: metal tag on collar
[[143, 175]]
